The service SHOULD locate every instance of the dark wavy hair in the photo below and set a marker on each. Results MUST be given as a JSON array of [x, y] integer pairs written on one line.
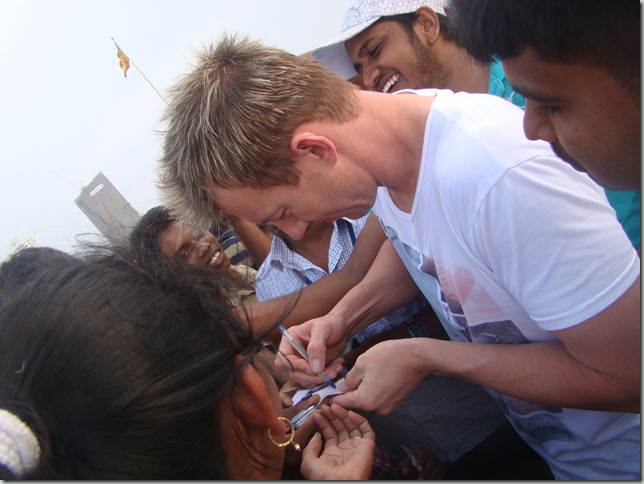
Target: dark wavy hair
[[603, 33], [146, 234], [20, 268], [121, 368]]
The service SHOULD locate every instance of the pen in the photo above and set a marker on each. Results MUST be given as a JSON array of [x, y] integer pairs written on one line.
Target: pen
[[302, 352]]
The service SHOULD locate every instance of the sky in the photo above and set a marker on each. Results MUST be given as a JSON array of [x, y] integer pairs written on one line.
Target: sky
[[67, 112]]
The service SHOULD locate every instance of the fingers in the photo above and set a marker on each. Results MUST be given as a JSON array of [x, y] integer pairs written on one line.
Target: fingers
[[362, 424], [326, 427], [317, 351], [304, 377], [350, 397], [366, 388], [324, 336], [338, 424], [301, 334], [313, 449], [290, 411]]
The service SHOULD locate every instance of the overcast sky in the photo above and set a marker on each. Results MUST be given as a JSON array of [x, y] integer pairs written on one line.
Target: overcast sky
[[67, 112]]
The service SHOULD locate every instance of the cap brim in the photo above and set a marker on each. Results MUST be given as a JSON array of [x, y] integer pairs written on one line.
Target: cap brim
[[334, 55]]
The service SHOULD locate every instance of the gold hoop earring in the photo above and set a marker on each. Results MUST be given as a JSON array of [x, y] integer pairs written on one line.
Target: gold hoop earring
[[290, 433]]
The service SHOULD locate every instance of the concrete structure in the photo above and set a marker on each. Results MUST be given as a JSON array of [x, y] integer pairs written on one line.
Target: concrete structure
[[108, 210]]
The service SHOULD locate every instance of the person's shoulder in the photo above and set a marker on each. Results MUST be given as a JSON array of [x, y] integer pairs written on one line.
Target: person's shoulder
[[430, 92]]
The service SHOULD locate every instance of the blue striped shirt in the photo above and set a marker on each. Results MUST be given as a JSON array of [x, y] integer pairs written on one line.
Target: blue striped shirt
[[284, 272]]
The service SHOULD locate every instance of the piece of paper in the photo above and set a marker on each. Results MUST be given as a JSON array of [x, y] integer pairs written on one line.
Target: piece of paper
[[323, 390]]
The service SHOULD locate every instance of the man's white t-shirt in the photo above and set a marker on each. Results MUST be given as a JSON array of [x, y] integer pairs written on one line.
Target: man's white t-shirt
[[508, 242]]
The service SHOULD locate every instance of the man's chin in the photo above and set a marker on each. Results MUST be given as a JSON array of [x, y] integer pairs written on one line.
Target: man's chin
[[563, 154]]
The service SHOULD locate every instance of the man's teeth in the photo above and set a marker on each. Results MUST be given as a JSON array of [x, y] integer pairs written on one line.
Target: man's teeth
[[391, 82], [214, 259]]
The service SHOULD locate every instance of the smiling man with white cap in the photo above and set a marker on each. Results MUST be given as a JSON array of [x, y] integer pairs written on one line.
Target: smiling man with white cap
[[408, 44]]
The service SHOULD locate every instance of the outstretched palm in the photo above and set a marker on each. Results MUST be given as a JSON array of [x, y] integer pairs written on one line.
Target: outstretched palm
[[349, 446]]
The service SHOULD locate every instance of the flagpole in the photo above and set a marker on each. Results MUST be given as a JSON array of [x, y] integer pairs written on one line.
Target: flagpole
[[137, 68]]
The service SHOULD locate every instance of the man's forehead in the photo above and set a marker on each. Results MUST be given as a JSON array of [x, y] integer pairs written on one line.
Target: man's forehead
[[533, 78], [245, 202], [357, 45], [172, 238]]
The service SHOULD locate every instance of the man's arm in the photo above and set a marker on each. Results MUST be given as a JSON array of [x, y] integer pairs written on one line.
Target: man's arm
[[595, 365], [255, 239], [386, 286]]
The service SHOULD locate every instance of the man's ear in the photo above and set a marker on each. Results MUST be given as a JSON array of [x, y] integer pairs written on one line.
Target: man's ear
[[253, 402], [426, 24], [305, 144]]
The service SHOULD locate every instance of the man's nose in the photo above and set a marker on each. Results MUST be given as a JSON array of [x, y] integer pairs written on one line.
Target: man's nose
[[292, 226], [370, 75], [537, 125], [200, 248]]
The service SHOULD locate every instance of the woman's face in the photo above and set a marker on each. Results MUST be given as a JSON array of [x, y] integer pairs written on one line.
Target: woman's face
[[204, 251], [254, 456]]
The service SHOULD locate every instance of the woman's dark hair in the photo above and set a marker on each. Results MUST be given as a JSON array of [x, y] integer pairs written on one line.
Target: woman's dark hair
[[120, 368], [25, 264], [146, 234]]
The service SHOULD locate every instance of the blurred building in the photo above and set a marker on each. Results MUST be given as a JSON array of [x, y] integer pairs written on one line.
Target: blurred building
[[16, 245], [107, 209]]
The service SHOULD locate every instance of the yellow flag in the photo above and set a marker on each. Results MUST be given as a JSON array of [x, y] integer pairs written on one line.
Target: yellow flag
[[124, 62]]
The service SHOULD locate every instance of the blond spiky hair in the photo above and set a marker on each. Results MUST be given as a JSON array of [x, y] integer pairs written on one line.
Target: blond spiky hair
[[230, 120]]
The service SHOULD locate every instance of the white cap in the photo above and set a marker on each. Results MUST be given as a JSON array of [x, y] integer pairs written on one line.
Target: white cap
[[359, 15]]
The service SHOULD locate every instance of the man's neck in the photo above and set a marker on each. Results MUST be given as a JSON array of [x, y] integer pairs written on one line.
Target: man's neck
[[396, 157]]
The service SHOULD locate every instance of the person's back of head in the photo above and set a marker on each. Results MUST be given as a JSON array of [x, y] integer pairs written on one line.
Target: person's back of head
[[119, 371], [26, 264], [241, 91], [603, 33]]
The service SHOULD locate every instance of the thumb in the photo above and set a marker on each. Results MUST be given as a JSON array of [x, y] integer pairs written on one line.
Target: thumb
[[349, 388], [313, 448], [317, 351], [347, 400]]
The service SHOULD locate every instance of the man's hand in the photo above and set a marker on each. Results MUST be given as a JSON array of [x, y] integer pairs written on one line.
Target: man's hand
[[322, 338], [382, 377], [349, 447]]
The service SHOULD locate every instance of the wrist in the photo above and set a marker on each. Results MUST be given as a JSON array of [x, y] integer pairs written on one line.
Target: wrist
[[346, 316], [421, 351]]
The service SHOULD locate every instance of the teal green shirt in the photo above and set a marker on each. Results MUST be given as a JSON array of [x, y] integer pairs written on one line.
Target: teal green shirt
[[500, 86], [626, 204]]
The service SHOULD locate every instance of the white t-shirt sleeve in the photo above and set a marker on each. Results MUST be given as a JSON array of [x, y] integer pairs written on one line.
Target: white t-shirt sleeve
[[562, 269]]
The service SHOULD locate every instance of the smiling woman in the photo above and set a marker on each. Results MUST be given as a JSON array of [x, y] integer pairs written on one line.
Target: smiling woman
[[159, 235]]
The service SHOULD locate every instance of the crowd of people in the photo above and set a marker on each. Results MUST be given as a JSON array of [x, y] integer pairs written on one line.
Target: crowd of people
[[442, 205]]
